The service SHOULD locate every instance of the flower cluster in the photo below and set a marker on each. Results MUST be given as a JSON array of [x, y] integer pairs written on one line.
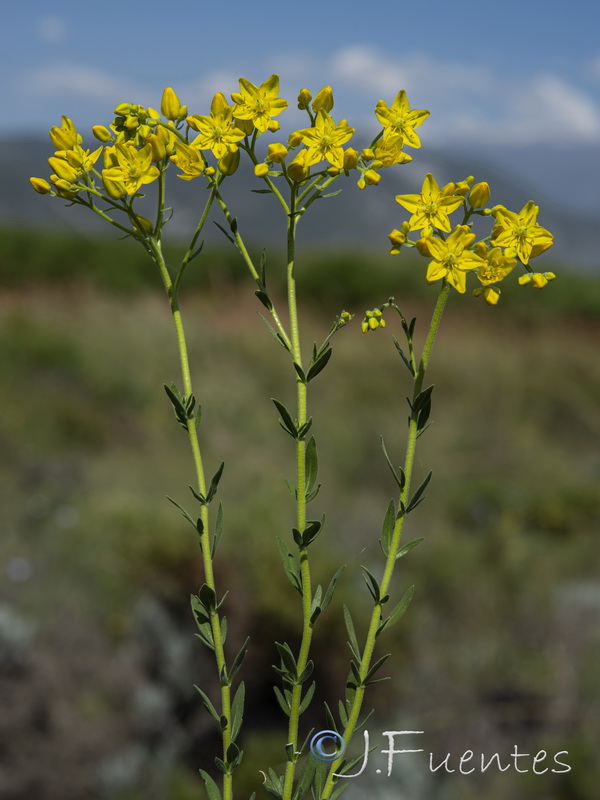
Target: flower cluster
[[140, 143], [455, 251]]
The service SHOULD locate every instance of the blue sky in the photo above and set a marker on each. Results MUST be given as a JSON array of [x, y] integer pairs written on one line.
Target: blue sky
[[507, 72]]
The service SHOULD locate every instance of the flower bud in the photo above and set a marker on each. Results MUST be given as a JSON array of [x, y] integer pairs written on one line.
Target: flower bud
[[219, 103], [361, 183], [114, 189], [297, 170], [423, 247], [209, 171], [65, 137], [171, 107], [277, 153], [350, 158], [159, 150], [40, 185], [397, 238], [538, 281], [550, 276], [229, 163], [323, 100], [101, 133], [142, 225], [294, 139], [523, 280], [462, 188], [304, 98], [491, 295], [260, 170], [273, 126], [246, 126], [479, 195], [372, 178], [63, 169], [367, 154]]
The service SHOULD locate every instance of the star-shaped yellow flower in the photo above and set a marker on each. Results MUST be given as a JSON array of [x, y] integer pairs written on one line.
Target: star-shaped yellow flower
[[400, 119], [258, 103], [452, 258], [132, 167], [496, 265], [325, 140], [432, 206], [521, 232], [217, 132], [189, 160]]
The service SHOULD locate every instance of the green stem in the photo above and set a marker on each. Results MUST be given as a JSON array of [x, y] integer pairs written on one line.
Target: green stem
[[367, 654], [205, 543], [301, 504]]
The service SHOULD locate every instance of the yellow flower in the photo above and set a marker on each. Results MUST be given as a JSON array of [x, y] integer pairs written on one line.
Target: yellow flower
[[217, 132], [82, 160], [325, 140], [400, 119], [496, 265], [373, 320], [452, 258], [134, 122], [258, 103], [388, 152], [133, 168], [521, 231], [189, 160], [431, 207]]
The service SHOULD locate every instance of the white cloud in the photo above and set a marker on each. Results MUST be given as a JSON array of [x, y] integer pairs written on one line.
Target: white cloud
[[71, 79], [470, 102], [51, 29]]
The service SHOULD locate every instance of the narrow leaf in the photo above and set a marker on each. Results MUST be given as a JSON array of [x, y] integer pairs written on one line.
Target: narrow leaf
[[288, 422], [212, 790], [400, 479], [416, 498], [389, 524], [237, 711], [352, 640], [408, 547], [237, 661], [207, 704], [215, 482], [331, 588], [311, 464]]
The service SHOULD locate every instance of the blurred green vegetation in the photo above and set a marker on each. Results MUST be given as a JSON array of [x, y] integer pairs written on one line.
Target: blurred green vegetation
[[502, 641]]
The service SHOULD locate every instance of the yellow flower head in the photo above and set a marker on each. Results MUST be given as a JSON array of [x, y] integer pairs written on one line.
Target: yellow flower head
[[431, 207], [189, 160], [400, 119], [496, 265], [134, 122], [521, 231], [258, 103], [373, 320], [325, 140], [217, 132], [452, 258], [133, 167], [388, 152]]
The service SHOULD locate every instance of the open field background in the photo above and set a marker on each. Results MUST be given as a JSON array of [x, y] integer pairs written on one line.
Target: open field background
[[97, 653]]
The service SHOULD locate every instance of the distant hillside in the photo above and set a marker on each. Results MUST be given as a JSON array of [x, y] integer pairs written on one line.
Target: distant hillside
[[351, 220]]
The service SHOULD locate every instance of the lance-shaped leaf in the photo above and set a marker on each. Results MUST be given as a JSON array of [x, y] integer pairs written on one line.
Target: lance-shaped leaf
[[352, 640], [237, 661], [212, 790], [306, 779], [290, 565], [401, 478], [288, 667], [404, 356], [319, 364], [287, 423], [218, 529], [283, 700], [222, 229], [422, 399], [182, 509], [379, 663], [331, 588], [389, 523], [275, 334], [307, 697], [398, 610], [264, 299], [300, 373], [418, 495], [311, 465], [178, 405], [372, 584], [212, 490], [408, 547], [237, 711], [207, 704]]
